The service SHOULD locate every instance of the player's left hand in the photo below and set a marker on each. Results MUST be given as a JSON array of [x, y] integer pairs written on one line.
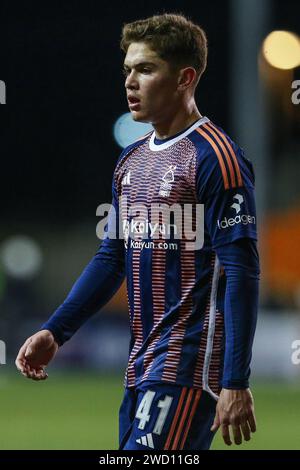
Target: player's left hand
[[235, 409]]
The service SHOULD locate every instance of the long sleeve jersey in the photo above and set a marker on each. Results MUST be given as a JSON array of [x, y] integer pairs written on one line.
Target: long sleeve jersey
[[192, 275]]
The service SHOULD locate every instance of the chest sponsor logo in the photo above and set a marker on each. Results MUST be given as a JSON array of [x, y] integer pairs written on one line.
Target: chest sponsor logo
[[143, 224]]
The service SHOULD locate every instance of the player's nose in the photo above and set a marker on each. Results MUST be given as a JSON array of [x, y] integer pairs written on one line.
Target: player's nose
[[131, 81]]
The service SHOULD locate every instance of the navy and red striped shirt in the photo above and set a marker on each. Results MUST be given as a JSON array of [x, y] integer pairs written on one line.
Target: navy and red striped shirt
[[192, 311]]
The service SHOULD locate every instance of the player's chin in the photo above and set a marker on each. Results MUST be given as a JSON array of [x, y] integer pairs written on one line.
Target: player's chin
[[139, 116]]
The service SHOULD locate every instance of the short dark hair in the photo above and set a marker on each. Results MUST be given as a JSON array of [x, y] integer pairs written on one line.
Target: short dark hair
[[173, 37]]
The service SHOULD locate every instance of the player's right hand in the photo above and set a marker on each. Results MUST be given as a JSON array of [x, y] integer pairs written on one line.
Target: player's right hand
[[35, 354]]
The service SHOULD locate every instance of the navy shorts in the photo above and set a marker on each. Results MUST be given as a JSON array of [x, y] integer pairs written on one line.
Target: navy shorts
[[162, 416]]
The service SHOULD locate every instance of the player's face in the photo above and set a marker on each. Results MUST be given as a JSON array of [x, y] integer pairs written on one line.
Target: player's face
[[151, 85]]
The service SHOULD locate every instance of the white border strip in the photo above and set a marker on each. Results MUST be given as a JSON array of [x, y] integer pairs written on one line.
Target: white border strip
[[211, 329], [156, 148]]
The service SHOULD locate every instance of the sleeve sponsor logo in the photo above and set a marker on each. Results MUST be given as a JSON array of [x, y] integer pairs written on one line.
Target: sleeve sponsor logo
[[244, 219]]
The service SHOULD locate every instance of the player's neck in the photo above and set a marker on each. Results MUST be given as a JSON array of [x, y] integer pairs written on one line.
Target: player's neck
[[179, 122]]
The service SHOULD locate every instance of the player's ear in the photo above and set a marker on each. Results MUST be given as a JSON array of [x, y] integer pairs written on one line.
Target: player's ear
[[186, 78]]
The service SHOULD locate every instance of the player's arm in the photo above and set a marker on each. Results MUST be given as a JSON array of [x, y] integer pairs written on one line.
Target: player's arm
[[227, 198], [97, 284], [235, 407]]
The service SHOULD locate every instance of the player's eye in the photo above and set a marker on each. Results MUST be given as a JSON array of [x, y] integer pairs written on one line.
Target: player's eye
[[126, 72]]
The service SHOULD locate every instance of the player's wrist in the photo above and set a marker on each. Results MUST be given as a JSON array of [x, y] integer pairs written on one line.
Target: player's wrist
[[53, 334], [235, 384]]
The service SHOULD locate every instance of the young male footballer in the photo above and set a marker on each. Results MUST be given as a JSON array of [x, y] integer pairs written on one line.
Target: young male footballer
[[192, 308]]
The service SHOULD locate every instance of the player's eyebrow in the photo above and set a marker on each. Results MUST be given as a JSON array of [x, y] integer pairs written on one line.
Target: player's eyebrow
[[138, 64]]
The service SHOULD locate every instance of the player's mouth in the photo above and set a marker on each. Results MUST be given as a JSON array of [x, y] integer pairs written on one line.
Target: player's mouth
[[133, 103]]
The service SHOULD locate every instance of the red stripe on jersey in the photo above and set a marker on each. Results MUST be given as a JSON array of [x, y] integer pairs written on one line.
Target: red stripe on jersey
[[219, 156], [203, 342], [176, 417], [158, 286], [231, 170], [191, 417], [137, 326], [229, 147], [175, 344], [183, 420]]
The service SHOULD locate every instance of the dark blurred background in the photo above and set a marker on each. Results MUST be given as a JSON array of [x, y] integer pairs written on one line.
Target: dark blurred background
[[62, 68]]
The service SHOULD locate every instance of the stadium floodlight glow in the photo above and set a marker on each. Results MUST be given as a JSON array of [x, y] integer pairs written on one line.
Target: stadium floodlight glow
[[282, 50], [126, 130], [21, 257]]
